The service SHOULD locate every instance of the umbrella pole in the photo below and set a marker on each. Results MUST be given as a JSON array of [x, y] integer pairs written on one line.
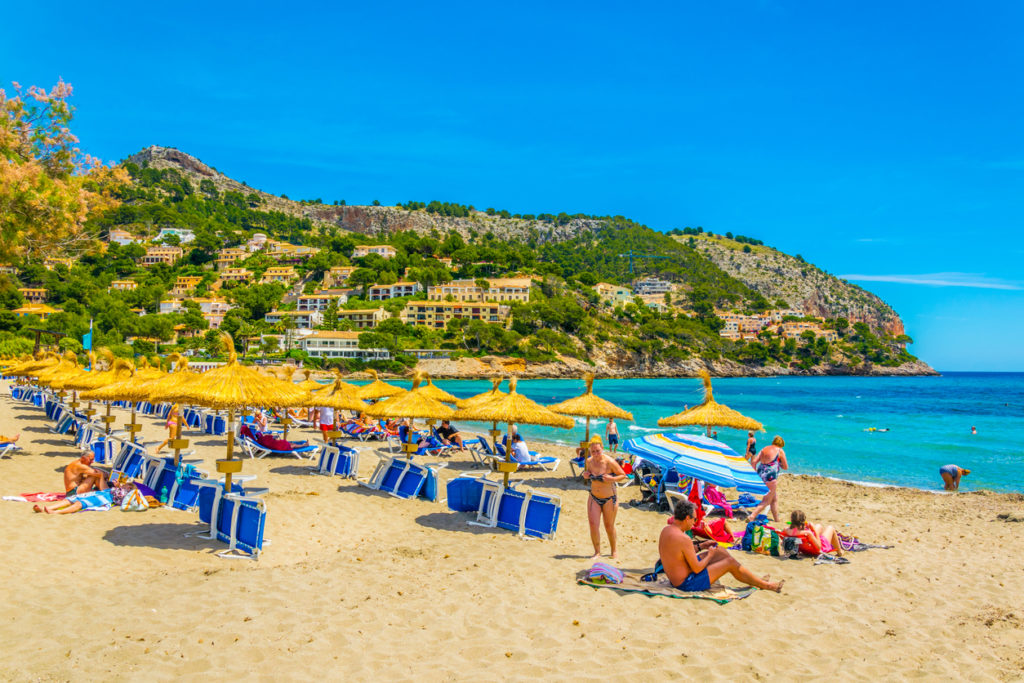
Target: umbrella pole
[[107, 418], [508, 453], [131, 427], [229, 465]]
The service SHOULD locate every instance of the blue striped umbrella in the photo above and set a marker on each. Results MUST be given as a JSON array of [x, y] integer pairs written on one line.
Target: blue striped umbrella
[[699, 457]]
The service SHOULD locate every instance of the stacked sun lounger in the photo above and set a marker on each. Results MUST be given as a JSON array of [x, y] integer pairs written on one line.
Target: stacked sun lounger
[[517, 508]]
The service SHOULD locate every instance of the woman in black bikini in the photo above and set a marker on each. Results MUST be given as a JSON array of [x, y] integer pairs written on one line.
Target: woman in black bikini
[[602, 472]]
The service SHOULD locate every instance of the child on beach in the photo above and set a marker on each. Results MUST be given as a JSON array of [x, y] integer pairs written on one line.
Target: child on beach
[[611, 433]]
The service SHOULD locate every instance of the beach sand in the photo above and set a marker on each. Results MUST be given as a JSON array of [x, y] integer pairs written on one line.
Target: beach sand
[[359, 585]]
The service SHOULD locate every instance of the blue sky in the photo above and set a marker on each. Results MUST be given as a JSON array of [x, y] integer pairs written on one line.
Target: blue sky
[[882, 141]]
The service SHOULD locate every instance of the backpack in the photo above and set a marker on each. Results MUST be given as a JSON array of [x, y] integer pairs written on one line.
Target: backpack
[[762, 539]]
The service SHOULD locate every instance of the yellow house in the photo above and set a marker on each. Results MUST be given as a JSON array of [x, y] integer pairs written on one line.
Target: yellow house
[[383, 250], [185, 284], [124, 285], [235, 275], [498, 289], [42, 310], [34, 295], [227, 257], [162, 254], [337, 276], [363, 317], [283, 274], [51, 263]]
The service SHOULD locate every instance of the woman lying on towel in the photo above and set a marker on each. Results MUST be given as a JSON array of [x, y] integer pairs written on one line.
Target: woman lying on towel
[[815, 539], [93, 500], [685, 567], [269, 441]]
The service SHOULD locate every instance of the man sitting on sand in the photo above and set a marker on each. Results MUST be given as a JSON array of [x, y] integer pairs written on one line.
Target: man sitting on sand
[[686, 570], [81, 477]]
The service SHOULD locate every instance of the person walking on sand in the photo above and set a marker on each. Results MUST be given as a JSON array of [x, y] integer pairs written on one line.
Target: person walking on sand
[[687, 570], [951, 476], [611, 432], [173, 418], [768, 462], [751, 447], [603, 503]]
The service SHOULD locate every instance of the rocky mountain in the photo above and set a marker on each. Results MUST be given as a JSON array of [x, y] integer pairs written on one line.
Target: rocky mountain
[[368, 220], [803, 286]]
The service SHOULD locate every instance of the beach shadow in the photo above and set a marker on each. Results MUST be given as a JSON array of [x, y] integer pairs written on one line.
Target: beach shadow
[[37, 430], [163, 535], [291, 469], [455, 521]]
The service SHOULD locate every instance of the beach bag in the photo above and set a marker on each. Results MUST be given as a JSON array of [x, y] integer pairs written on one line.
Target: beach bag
[[604, 573], [761, 539], [134, 501]]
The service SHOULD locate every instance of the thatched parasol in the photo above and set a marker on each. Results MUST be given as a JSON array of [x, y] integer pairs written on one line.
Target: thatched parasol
[[709, 413], [412, 404], [377, 389], [589, 405], [234, 386], [513, 408], [437, 393], [117, 370], [134, 387], [486, 396], [165, 389], [33, 367], [340, 396], [311, 384]]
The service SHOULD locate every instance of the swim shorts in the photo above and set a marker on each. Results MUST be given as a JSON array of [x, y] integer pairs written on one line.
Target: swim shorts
[[696, 581], [613, 439]]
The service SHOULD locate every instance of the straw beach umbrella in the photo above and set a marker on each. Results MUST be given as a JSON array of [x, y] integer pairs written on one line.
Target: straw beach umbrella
[[133, 388], [437, 393], [165, 389], [234, 386], [588, 405], [118, 370], [340, 396], [482, 398], [411, 404], [710, 413], [513, 408], [377, 389]]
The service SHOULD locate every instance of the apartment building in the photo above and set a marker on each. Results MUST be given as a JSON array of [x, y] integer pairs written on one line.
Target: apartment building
[[124, 285], [653, 285], [162, 254], [329, 344], [498, 289], [436, 314], [364, 318], [337, 276], [226, 258], [302, 320], [185, 284], [33, 295], [383, 250], [320, 301], [235, 275], [282, 274], [381, 292]]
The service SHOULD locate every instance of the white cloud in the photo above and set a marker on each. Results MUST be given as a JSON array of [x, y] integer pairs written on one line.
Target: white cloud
[[974, 280]]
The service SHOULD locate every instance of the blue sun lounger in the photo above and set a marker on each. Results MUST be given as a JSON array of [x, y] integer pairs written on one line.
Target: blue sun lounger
[[405, 478], [256, 450], [337, 460], [241, 524], [519, 509]]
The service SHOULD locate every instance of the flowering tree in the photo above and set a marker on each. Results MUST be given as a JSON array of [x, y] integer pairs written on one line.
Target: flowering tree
[[48, 187]]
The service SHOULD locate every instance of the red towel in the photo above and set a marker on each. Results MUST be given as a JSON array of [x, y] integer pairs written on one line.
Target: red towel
[[42, 497]]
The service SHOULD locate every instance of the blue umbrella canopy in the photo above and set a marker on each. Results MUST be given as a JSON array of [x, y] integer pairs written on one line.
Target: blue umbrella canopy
[[699, 457]]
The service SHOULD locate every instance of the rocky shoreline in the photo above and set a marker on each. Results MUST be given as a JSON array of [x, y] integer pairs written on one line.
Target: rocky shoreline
[[568, 368]]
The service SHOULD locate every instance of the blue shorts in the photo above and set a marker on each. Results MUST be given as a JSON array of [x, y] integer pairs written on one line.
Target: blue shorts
[[696, 581], [613, 439]]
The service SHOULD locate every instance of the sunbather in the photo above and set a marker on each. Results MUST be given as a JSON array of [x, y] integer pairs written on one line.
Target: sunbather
[[4, 440], [85, 501], [81, 477], [685, 567], [815, 539], [602, 471]]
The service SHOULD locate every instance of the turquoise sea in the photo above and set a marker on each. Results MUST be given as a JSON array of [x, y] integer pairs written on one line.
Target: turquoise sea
[[823, 420]]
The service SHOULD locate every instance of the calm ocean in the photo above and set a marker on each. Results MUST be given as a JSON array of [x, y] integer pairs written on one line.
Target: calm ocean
[[823, 420]]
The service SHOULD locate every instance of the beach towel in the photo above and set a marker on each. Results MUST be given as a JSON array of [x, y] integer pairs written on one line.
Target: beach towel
[[42, 497], [631, 583], [854, 545], [604, 573]]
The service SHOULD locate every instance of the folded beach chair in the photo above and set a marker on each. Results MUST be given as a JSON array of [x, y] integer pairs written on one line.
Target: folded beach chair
[[337, 460], [184, 493], [209, 498], [241, 524], [528, 513]]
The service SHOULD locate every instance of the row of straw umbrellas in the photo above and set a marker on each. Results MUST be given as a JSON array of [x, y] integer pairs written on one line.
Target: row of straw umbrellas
[[234, 386]]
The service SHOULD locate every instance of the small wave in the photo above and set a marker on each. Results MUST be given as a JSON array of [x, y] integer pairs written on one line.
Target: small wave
[[637, 428], [593, 421]]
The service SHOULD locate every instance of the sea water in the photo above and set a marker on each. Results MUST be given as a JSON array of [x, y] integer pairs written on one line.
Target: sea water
[[825, 421]]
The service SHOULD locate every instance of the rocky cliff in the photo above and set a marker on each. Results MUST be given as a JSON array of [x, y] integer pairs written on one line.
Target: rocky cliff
[[803, 286], [368, 220]]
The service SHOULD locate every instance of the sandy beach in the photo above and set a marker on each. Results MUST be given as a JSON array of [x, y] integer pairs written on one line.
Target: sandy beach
[[359, 585]]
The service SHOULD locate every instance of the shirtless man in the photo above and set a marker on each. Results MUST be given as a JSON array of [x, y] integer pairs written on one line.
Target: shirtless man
[[80, 477], [602, 472], [687, 571]]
